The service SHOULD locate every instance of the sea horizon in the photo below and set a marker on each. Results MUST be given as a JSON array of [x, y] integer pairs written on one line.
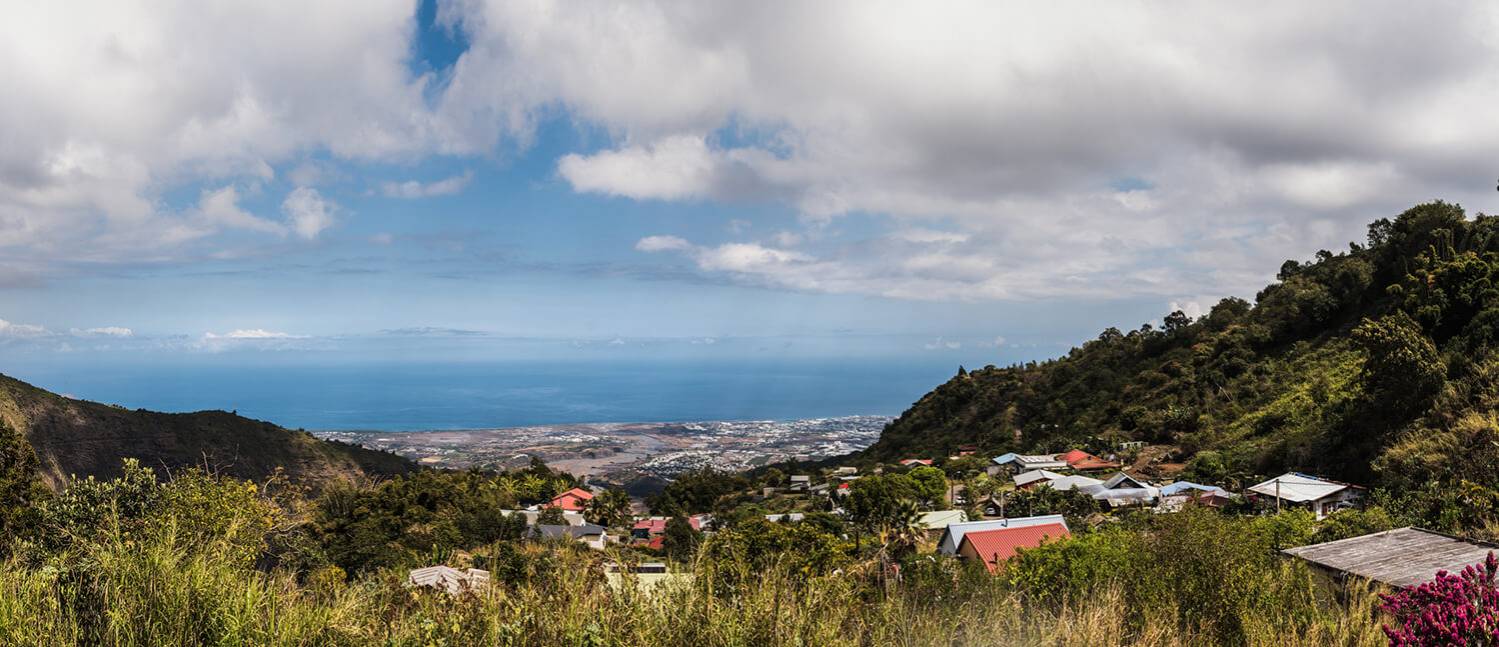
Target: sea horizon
[[488, 395]]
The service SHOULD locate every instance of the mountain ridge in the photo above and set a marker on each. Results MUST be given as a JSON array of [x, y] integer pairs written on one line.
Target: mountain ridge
[[78, 437]]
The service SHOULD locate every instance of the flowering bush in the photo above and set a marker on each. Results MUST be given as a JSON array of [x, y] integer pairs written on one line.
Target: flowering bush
[[1453, 609]]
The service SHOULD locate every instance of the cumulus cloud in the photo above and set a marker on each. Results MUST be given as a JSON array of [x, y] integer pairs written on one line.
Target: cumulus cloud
[[307, 213], [21, 331], [417, 189], [1008, 128], [1140, 158]]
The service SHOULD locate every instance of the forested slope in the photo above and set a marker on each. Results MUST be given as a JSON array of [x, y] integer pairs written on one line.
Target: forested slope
[[1379, 363], [91, 439]]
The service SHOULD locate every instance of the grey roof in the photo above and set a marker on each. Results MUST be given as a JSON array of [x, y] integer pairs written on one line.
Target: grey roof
[[1400, 557], [571, 532], [1298, 488], [447, 578]]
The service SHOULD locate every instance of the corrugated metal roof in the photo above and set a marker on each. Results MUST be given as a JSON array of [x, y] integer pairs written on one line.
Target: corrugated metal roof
[[1298, 488], [953, 534], [995, 546], [938, 519], [1400, 557]]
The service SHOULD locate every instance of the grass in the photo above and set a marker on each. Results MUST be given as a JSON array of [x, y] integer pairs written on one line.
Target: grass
[[156, 591]]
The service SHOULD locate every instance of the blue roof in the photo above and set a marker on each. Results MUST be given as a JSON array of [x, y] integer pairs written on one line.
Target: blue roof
[[1001, 460], [1182, 486]]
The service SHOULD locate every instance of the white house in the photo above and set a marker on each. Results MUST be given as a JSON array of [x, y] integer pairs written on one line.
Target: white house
[[1030, 462], [447, 578], [1123, 490], [1321, 496]]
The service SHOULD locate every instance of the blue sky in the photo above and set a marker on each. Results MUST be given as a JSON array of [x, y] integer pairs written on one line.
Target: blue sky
[[991, 184]]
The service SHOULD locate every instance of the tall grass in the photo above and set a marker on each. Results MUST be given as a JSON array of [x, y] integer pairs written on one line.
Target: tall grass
[[154, 590]]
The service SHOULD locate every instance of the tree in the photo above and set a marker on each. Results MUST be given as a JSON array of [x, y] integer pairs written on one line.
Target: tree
[[19, 487], [931, 484], [680, 540], [1403, 369], [550, 516], [609, 508]]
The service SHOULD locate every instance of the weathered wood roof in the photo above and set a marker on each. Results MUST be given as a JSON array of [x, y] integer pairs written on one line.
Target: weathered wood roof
[[1400, 557]]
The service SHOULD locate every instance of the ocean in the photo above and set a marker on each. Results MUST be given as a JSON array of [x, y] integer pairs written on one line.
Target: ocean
[[416, 396]]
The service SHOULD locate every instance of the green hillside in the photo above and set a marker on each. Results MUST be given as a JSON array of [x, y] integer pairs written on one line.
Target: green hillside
[[90, 439], [1377, 363]]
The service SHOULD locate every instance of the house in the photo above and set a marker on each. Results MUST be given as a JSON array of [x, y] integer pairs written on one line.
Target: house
[[820, 488], [1216, 498], [1187, 487], [447, 578], [996, 546], [593, 535], [1400, 557], [1321, 496], [845, 471], [844, 489], [569, 517], [575, 499], [1122, 490], [913, 462], [1083, 461], [649, 527], [938, 520], [952, 536], [789, 517], [1071, 482], [800, 482], [1028, 480], [1027, 463]]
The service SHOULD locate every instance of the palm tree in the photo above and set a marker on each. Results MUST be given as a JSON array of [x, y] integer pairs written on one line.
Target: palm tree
[[904, 530], [609, 508]]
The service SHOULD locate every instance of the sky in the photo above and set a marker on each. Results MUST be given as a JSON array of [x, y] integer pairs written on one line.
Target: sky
[[976, 182]]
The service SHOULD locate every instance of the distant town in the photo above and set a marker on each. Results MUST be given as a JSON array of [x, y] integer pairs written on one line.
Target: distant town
[[622, 452]]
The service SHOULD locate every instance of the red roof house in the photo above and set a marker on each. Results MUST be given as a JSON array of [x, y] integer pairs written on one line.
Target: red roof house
[[996, 546], [1080, 460], [916, 461], [574, 500]]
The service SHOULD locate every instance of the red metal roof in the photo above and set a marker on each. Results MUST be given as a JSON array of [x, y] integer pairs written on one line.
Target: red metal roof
[[572, 499], [1080, 460], [999, 545]]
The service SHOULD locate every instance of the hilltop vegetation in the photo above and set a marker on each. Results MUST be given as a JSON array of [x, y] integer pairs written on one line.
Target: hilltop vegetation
[[74, 437], [1375, 364]]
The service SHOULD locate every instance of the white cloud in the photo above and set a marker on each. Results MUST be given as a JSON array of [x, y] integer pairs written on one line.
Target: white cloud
[[307, 213], [673, 168], [21, 331], [416, 189], [1012, 124], [103, 331], [661, 244], [1007, 127], [942, 344], [252, 333]]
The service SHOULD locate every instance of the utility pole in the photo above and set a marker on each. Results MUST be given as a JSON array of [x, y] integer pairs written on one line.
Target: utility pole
[[1277, 495]]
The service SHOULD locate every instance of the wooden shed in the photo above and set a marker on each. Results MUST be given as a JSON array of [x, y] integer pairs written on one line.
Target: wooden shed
[[1400, 557]]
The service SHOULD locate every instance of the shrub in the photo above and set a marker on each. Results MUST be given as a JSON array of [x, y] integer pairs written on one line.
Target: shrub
[[1453, 609]]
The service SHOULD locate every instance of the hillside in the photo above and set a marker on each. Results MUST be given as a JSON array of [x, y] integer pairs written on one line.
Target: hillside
[[1374, 364], [89, 438]]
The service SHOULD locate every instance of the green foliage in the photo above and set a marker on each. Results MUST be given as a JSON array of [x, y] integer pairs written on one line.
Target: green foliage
[[1365, 364], [20, 490], [930, 484], [696, 492], [610, 508], [1074, 505], [1207, 570], [681, 540]]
